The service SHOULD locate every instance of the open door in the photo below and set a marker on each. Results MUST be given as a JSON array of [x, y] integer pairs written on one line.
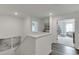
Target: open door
[[66, 32]]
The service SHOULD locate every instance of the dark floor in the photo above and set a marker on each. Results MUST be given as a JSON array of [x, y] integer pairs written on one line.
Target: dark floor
[[60, 49]]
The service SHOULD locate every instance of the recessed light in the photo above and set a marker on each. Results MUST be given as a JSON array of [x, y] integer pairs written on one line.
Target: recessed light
[[16, 13]]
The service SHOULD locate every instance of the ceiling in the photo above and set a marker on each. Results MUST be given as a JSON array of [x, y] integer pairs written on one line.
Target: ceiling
[[38, 10]]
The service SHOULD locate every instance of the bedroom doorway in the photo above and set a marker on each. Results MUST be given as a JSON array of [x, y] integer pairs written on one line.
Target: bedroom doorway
[[66, 32]]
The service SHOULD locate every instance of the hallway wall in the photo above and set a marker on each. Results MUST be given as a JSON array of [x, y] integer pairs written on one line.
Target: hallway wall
[[10, 26], [53, 28], [77, 33]]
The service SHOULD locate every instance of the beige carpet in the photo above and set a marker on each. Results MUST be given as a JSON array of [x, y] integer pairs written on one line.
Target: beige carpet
[[65, 40]]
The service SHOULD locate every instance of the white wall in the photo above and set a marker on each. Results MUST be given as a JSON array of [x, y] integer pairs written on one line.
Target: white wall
[[27, 25], [53, 28], [43, 45], [46, 20], [77, 32], [10, 26]]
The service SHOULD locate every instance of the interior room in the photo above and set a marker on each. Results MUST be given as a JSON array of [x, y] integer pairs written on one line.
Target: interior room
[[39, 29], [66, 31]]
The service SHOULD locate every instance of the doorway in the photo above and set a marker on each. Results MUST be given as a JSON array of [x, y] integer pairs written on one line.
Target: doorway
[[66, 32]]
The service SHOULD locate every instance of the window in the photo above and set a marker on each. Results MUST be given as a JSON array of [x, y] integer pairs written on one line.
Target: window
[[34, 26], [69, 28]]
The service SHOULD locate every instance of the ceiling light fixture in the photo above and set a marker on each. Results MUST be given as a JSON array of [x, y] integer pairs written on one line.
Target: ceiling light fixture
[[16, 13]]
